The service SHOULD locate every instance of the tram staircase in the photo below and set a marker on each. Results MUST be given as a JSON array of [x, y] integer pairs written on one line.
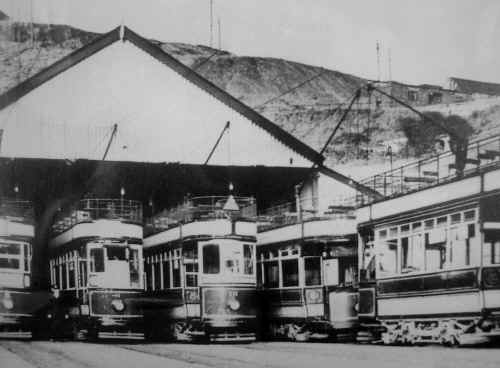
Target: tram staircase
[[417, 175]]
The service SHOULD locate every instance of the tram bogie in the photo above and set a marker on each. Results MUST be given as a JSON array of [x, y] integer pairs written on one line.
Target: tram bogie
[[96, 271], [200, 271], [21, 299]]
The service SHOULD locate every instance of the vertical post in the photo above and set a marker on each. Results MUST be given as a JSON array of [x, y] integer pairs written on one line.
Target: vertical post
[[437, 166]]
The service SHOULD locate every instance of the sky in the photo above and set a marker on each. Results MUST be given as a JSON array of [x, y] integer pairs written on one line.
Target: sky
[[429, 40]]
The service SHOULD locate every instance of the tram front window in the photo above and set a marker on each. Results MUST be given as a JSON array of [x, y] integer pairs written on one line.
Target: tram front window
[[10, 256], [290, 271], [211, 261], [312, 266], [97, 260], [115, 266]]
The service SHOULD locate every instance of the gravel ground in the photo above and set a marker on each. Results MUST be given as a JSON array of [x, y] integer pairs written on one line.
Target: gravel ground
[[42, 354]]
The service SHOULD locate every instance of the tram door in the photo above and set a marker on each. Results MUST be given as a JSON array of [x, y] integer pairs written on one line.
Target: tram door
[[340, 300], [331, 270]]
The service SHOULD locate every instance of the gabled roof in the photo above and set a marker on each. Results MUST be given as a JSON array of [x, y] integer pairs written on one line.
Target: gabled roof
[[471, 86], [156, 52]]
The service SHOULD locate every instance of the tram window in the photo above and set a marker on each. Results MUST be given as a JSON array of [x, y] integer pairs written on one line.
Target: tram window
[[58, 276], [455, 218], [382, 234], [248, 256], [13, 249], [259, 274], [166, 274], [83, 274], [290, 271], [191, 274], [211, 259], [495, 254], [405, 228], [149, 276], [176, 274], [27, 257], [97, 260], [469, 215], [64, 276], [190, 251], [271, 274], [429, 224], [404, 252], [10, 263], [71, 274], [441, 221], [388, 257], [117, 253], [416, 226], [232, 261], [134, 267], [157, 275], [471, 230], [393, 232], [312, 266]]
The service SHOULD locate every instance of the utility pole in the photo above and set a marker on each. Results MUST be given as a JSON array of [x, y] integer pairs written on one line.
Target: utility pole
[[378, 61], [211, 23], [389, 65], [220, 34]]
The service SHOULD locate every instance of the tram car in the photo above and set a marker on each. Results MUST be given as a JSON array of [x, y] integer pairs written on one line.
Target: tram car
[[200, 271], [96, 270], [21, 300], [430, 257], [307, 273]]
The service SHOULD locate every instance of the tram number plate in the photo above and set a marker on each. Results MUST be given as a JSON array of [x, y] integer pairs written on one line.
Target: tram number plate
[[232, 294]]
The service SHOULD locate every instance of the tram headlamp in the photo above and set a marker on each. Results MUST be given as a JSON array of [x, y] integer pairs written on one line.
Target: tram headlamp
[[7, 301], [118, 305], [314, 296], [234, 304]]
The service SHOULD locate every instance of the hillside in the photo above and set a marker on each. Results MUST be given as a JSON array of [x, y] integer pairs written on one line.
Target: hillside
[[307, 112]]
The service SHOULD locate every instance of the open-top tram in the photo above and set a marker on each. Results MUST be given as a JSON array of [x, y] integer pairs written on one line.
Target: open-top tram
[[307, 272], [21, 299], [430, 261], [96, 269], [200, 271]]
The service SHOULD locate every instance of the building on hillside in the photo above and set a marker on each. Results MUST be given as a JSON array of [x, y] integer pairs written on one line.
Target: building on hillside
[[418, 95], [473, 87]]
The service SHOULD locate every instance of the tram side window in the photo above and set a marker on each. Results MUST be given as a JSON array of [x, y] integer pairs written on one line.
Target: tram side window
[[248, 256], [134, 267], [10, 256], [271, 274], [211, 259], [312, 266], [157, 275], [176, 273], [64, 278], [57, 280], [290, 270], [71, 274], [492, 247], [388, 257], [97, 260], [166, 274], [27, 257], [191, 274]]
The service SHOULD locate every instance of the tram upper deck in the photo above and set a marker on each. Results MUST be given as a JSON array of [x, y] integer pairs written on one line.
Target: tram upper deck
[[98, 218]]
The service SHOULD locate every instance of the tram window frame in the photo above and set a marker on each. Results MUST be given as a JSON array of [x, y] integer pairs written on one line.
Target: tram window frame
[[274, 266], [214, 267], [286, 274], [13, 258], [102, 260], [191, 266], [318, 276], [249, 259], [167, 275]]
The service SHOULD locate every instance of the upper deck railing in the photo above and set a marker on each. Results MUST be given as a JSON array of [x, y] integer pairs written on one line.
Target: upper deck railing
[[91, 209], [440, 168], [201, 209], [17, 210], [307, 209]]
